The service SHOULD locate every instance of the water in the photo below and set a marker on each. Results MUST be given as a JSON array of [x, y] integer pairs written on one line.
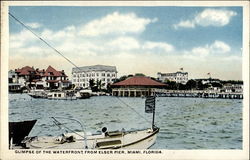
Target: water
[[185, 123]]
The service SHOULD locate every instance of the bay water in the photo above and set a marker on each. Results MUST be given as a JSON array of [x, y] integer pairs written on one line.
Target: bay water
[[185, 123]]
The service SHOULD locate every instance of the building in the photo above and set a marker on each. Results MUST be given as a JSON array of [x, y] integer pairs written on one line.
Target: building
[[14, 86], [136, 86], [12, 76], [40, 79], [208, 80], [233, 88], [101, 74], [178, 77], [52, 78]]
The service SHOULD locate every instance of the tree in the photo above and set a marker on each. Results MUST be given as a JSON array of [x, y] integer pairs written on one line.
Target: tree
[[216, 84], [91, 83], [191, 84], [139, 74], [99, 85], [171, 85], [202, 86]]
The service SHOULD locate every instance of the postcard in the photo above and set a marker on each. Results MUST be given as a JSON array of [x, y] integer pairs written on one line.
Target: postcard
[[125, 80]]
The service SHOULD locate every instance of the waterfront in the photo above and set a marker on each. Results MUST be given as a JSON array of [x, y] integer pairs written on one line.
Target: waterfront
[[185, 123]]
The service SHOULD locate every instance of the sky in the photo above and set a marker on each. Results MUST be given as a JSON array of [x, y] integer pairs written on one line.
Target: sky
[[146, 40]]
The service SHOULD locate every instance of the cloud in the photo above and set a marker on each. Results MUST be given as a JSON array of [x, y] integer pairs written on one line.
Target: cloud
[[124, 43], [208, 17], [220, 47], [185, 24], [34, 25], [158, 46], [116, 23], [217, 48], [213, 17], [21, 39]]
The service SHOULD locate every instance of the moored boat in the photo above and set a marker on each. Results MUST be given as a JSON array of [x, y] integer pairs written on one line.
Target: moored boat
[[62, 95], [139, 139], [84, 93], [38, 94]]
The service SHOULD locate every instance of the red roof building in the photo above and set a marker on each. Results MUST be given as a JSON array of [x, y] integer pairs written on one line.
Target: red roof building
[[136, 86], [49, 78], [139, 81]]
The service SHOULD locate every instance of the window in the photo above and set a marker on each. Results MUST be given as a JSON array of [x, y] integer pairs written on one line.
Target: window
[[108, 75], [103, 74], [97, 74]]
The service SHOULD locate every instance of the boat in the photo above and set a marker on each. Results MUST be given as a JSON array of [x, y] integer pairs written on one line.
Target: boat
[[121, 139], [83, 94], [38, 94], [138, 139], [62, 95], [18, 131]]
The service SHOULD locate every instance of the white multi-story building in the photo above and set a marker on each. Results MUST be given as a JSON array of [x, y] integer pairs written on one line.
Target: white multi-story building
[[178, 77], [81, 76]]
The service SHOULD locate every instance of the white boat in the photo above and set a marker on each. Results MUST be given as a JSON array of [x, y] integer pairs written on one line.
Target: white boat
[[84, 93], [61, 95], [136, 139], [139, 139], [38, 94]]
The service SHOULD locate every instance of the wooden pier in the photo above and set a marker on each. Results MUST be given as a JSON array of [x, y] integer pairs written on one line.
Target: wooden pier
[[196, 94]]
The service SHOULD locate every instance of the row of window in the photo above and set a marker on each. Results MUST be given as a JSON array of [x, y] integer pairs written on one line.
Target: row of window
[[55, 78], [94, 75], [87, 80], [178, 79]]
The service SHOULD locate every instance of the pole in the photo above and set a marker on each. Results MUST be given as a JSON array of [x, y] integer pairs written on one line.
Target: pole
[[153, 120]]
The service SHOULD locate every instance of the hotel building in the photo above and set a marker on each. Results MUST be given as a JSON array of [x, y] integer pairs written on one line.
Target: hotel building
[[99, 73], [178, 77]]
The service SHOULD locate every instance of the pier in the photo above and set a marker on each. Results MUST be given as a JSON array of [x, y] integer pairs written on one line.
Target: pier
[[196, 94]]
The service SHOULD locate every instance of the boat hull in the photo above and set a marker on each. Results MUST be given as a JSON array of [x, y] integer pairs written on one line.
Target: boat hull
[[142, 139]]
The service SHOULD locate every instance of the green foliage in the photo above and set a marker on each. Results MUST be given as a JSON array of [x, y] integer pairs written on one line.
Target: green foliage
[[139, 74]]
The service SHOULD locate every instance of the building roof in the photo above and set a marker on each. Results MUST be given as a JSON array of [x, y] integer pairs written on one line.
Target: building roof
[[139, 81], [50, 71], [25, 70], [95, 68]]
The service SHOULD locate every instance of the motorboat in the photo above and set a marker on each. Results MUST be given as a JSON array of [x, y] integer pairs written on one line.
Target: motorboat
[[83, 94]]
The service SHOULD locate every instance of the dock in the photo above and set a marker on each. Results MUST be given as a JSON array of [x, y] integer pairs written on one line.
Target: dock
[[196, 94]]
